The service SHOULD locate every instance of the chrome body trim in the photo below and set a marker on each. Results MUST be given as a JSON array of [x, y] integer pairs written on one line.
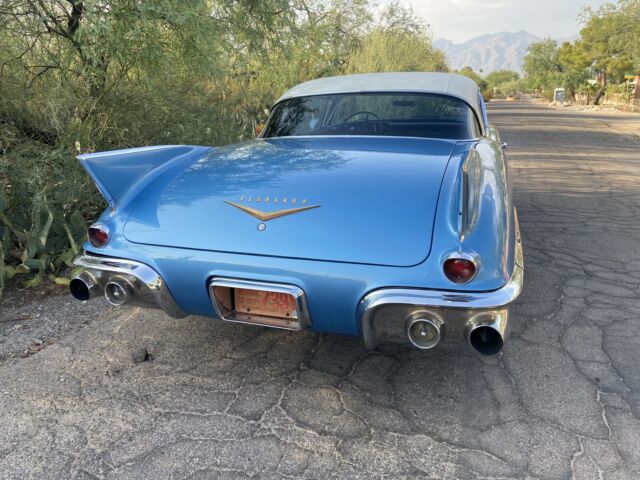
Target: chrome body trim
[[302, 322], [470, 183], [465, 255], [460, 310], [125, 151], [104, 228], [148, 289]]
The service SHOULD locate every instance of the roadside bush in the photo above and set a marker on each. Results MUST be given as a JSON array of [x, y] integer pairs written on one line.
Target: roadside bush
[[622, 92], [43, 203], [512, 87]]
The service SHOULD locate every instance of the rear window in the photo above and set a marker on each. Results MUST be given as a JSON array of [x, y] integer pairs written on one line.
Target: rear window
[[379, 114]]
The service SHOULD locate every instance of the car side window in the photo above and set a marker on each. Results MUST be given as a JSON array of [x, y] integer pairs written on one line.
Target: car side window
[[299, 116]]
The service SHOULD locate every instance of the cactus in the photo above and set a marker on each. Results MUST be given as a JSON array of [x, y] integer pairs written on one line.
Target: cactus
[[50, 243]]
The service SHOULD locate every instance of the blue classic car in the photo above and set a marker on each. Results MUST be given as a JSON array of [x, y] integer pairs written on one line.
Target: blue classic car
[[373, 205]]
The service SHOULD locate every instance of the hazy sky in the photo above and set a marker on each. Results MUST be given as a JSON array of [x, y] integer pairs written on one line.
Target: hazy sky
[[460, 20]]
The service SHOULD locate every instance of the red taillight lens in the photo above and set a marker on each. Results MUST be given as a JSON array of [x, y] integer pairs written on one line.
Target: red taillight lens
[[459, 270], [98, 236]]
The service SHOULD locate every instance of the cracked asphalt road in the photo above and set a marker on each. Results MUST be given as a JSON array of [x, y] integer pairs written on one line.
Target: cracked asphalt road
[[227, 401]]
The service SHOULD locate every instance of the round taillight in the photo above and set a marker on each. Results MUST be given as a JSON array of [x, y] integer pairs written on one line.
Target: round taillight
[[98, 235], [459, 270]]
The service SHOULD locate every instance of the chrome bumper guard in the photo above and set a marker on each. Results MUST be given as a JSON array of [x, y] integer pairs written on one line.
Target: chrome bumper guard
[[141, 285], [383, 314]]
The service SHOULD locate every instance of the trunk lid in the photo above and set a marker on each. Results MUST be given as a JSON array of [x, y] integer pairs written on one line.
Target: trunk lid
[[368, 200]]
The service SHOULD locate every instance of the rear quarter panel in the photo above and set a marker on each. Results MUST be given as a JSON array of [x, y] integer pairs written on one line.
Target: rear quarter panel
[[482, 223]]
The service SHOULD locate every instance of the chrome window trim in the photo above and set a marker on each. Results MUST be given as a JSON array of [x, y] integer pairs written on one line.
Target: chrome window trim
[[469, 140], [303, 320], [478, 121]]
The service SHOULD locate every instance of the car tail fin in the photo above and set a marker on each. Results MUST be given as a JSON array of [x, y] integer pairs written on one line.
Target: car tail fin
[[119, 174]]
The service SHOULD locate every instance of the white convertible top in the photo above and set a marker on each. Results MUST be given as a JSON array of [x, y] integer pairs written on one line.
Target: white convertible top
[[428, 82]]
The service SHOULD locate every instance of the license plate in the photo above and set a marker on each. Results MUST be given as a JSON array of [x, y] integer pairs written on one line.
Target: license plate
[[261, 302], [266, 304]]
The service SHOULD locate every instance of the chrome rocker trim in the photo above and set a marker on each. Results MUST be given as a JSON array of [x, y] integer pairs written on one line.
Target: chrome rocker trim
[[141, 284], [302, 322], [382, 312]]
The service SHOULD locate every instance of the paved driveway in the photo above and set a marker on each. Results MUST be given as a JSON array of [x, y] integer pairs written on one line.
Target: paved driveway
[[229, 401]]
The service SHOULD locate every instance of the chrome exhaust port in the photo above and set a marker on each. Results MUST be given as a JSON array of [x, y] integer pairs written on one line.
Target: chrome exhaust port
[[487, 336], [424, 330], [118, 292], [84, 287]]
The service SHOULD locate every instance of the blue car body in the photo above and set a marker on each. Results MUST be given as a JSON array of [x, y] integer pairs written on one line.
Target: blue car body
[[378, 217]]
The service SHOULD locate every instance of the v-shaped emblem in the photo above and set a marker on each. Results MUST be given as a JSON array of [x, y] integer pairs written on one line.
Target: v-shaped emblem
[[265, 216]]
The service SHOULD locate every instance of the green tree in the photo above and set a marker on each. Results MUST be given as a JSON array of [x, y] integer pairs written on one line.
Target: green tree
[[576, 67], [628, 32], [116, 70], [608, 49], [606, 40], [319, 44], [500, 77], [542, 65], [400, 43], [393, 51]]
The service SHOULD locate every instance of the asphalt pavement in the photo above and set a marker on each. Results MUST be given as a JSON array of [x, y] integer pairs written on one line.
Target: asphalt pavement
[[79, 399]]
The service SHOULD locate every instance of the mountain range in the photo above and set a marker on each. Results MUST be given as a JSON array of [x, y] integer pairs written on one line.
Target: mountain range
[[490, 52]]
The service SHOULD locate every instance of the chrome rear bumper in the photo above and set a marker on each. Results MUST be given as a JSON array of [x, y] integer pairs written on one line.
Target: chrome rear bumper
[[122, 281], [383, 314]]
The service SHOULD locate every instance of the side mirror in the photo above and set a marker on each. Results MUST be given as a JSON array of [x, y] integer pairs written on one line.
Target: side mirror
[[259, 128]]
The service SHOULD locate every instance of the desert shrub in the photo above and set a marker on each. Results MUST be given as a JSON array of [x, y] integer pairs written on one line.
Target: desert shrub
[[512, 87], [43, 204]]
